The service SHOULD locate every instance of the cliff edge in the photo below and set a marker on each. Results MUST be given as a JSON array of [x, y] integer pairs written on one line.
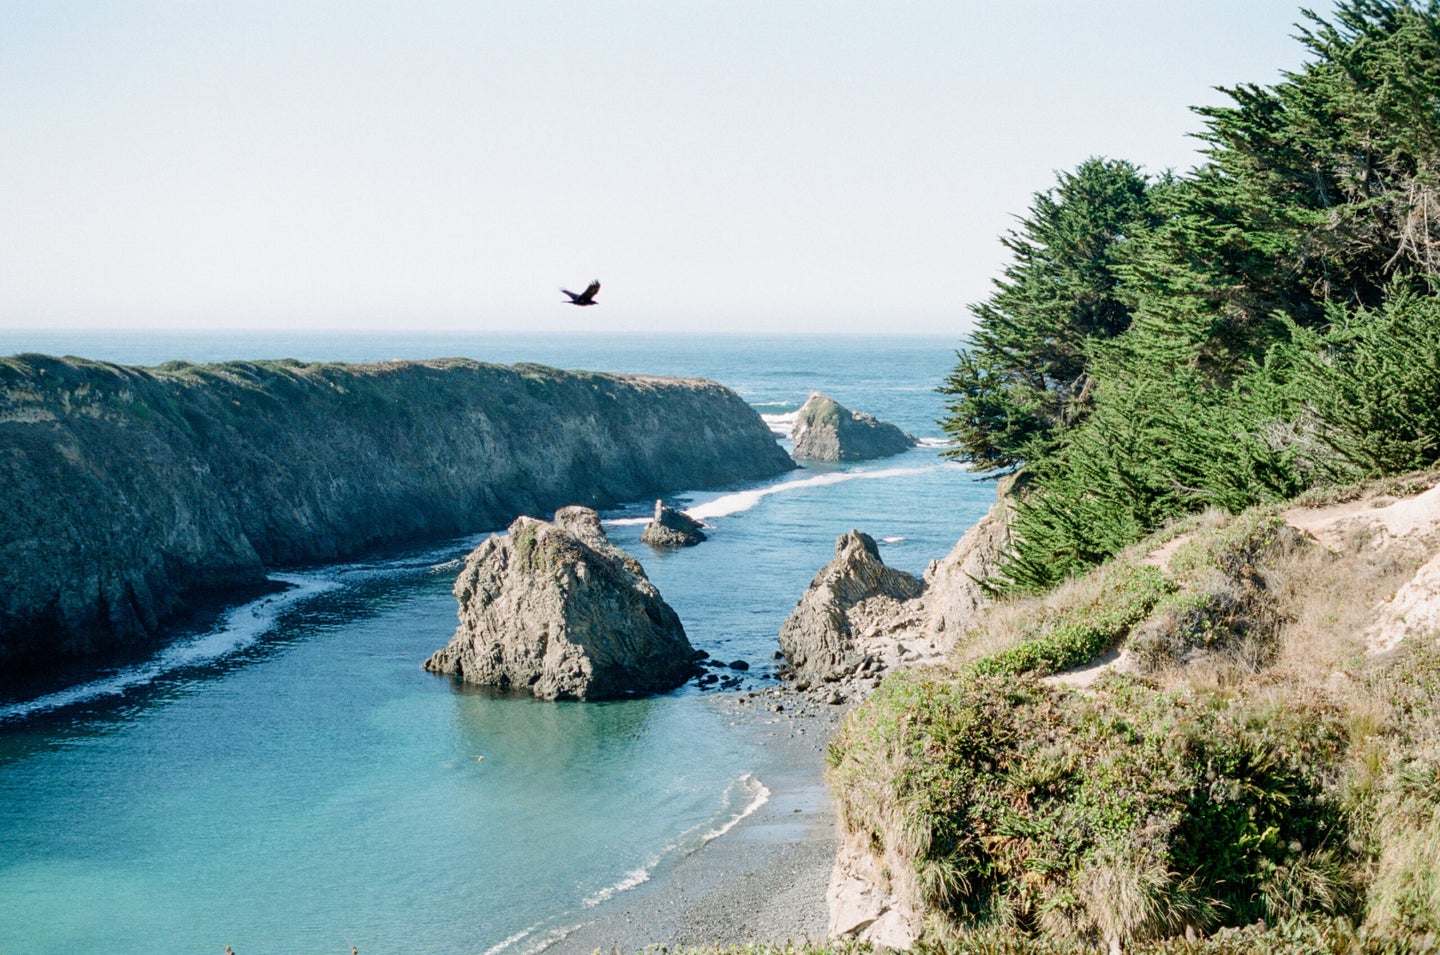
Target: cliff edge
[[131, 492]]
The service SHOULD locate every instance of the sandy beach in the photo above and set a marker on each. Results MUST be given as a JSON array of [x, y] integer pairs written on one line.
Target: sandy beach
[[762, 881]]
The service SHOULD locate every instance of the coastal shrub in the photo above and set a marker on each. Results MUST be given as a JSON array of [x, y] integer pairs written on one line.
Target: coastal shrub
[[1397, 803], [1120, 815], [1078, 633], [1371, 384], [1156, 446]]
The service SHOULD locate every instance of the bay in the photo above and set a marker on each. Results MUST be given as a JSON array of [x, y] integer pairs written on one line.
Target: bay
[[287, 779]]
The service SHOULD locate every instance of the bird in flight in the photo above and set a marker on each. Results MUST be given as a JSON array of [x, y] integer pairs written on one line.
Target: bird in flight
[[586, 297]]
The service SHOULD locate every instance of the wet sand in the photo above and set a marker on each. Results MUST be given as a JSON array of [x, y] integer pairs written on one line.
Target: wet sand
[[765, 879]]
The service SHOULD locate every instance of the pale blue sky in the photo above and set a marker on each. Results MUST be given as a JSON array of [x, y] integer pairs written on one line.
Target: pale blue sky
[[773, 165]]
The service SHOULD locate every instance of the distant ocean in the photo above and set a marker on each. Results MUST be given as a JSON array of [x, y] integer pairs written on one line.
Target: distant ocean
[[287, 778]]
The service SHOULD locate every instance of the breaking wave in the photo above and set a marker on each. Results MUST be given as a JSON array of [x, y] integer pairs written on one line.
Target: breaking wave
[[739, 501], [759, 796], [781, 424]]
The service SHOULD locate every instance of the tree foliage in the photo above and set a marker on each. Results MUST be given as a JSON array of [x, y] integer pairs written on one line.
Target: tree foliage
[[1025, 376], [1229, 336]]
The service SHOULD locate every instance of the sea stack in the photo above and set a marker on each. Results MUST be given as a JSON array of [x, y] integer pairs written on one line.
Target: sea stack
[[826, 430], [850, 599], [672, 528], [556, 610]]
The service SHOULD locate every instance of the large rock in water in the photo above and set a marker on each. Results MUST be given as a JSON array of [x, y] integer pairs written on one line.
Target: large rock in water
[[128, 495], [825, 430], [558, 610], [822, 638], [671, 528]]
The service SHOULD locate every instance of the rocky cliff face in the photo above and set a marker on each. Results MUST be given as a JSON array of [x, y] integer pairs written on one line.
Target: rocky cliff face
[[825, 430], [128, 492], [953, 591], [860, 618], [555, 609]]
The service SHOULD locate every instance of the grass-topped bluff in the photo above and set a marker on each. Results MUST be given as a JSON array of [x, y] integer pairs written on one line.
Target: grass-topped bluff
[[130, 492], [1213, 729]]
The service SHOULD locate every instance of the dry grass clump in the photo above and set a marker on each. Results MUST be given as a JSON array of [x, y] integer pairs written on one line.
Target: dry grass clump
[[1224, 616], [1398, 485], [1068, 627]]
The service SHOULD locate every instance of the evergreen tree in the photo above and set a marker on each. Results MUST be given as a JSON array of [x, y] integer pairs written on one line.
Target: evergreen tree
[[1023, 376]]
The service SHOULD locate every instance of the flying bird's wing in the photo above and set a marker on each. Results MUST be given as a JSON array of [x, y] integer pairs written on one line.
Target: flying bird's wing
[[586, 297]]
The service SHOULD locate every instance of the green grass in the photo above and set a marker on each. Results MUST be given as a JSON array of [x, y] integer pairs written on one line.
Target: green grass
[[1078, 634]]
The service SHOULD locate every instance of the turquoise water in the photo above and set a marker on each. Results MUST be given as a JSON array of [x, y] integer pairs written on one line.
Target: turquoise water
[[287, 779]]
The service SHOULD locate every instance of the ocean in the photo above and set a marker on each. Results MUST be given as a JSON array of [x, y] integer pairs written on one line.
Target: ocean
[[285, 778]]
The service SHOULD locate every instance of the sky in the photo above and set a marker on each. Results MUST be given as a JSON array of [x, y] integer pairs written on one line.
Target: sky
[[745, 166]]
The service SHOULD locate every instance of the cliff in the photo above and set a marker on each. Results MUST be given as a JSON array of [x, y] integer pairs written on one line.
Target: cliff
[[131, 492], [558, 611]]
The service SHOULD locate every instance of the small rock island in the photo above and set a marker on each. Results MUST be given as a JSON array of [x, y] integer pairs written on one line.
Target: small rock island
[[826, 430], [555, 609], [672, 528]]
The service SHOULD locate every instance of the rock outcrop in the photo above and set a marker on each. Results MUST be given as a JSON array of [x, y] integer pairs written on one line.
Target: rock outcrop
[[953, 588], [873, 898], [129, 494], [555, 609], [853, 601], [825, 430], [860, 618], [672, 528]]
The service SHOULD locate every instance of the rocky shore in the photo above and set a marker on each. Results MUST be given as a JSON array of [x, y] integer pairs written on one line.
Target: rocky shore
[[784, 874]]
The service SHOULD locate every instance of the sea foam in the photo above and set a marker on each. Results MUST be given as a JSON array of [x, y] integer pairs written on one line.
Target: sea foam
[[781, 424], [240, 627], [631, 879], [759, 795], [739, 501]]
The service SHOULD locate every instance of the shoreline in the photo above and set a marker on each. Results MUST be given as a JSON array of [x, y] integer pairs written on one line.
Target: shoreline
[[762, 881]]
